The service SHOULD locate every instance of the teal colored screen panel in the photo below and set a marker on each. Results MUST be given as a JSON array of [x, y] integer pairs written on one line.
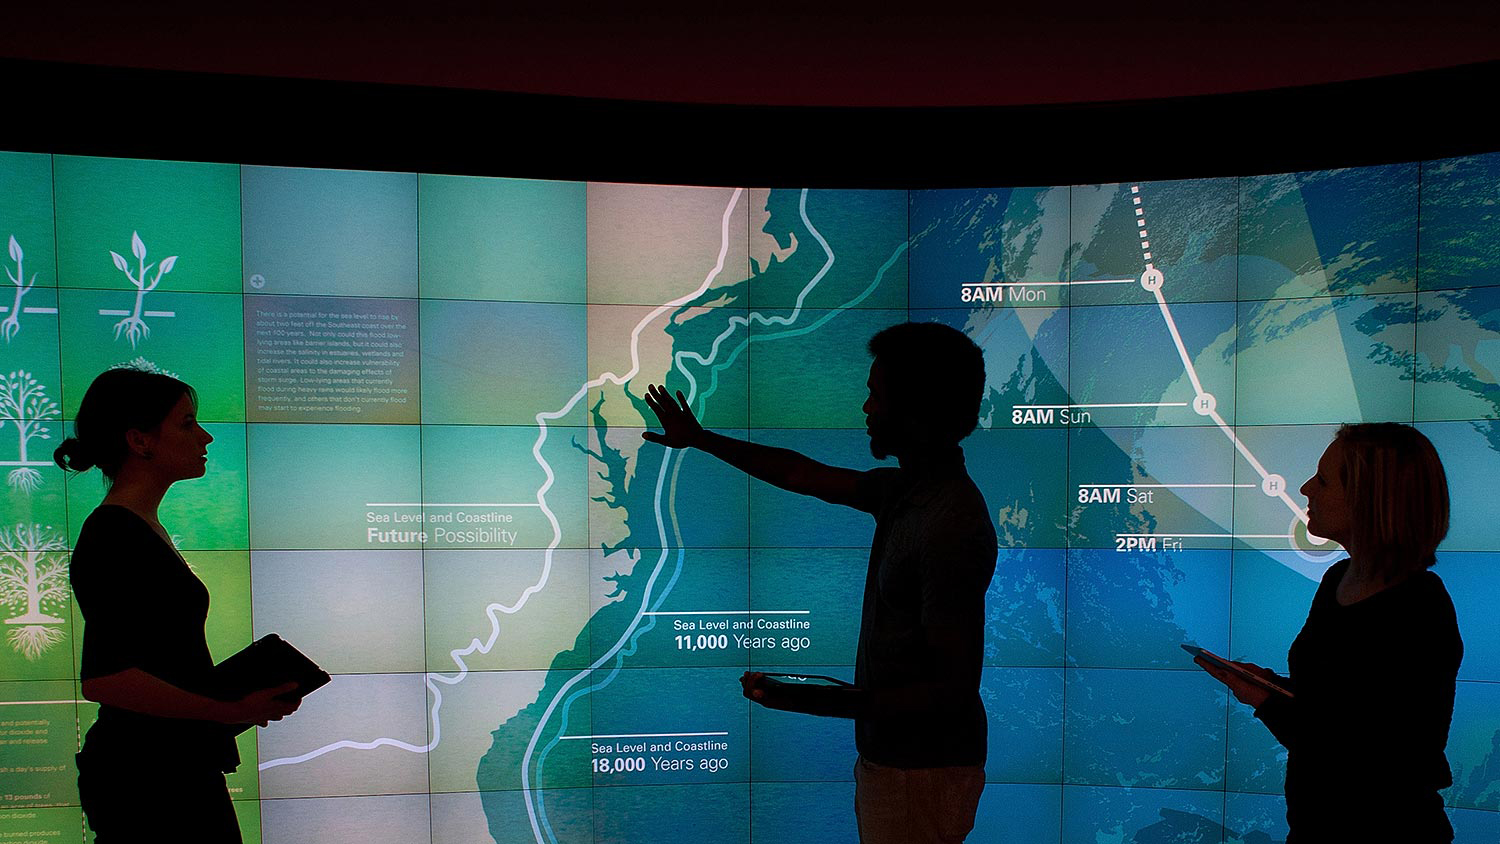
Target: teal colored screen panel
[[515, 240], [147, 226], [502, 363], [1460, 232], [329, 232], [784, 393], [195, 337], [314, 487], [1006, 245], [1329, 232], [27, 226], [840, 249]]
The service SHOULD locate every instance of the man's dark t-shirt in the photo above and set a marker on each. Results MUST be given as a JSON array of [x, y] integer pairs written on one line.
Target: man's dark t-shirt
[[1365, 735], [922, 627], [144, 608]]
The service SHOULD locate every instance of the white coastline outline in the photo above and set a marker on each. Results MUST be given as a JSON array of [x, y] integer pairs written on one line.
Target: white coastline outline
[[484, 647], [734, 322]]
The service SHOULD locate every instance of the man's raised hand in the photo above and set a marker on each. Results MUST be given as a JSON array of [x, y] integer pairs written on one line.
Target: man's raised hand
[[680, 428]]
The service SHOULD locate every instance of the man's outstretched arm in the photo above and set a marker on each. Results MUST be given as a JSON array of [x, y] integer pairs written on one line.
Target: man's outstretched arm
[[777, 466]]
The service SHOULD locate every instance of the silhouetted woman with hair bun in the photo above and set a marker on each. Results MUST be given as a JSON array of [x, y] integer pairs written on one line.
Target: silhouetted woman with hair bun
[[152, 766], [1375, 668]]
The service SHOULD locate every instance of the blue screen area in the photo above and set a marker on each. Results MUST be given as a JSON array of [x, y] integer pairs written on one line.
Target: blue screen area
[[426, 398]]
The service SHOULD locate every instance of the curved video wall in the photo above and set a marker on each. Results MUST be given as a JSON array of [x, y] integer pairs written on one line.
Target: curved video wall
[[425, 393]]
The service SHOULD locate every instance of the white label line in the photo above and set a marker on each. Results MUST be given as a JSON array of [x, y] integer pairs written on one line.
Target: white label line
[[5, 309], [734, 612], [438, 504], [1202, 535], [1086, 406], [642, 735], [1168, 486], [112, 312], [42, 702], [1049, 284]]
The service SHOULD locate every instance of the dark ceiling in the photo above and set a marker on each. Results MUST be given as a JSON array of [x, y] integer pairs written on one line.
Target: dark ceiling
[[922, 54]]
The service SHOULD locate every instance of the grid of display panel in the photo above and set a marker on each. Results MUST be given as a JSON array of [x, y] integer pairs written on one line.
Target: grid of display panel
[[427, 473]]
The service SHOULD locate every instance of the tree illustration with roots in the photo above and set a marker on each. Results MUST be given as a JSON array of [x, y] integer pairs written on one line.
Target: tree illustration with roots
[[23, 400], [33, 580], [134, 326], [11, 325]]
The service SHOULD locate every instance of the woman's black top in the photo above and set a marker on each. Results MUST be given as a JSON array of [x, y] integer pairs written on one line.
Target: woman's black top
[[1366, 731], [144, 608]]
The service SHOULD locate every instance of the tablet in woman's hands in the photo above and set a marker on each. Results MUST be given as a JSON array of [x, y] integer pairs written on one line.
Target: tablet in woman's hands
[[1236, 669]]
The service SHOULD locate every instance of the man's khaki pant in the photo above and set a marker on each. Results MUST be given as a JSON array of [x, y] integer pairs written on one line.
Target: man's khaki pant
[[916, 805]]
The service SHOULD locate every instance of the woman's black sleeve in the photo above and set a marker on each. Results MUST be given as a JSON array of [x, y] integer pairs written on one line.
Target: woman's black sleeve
[[1280, 714], [116, 608]]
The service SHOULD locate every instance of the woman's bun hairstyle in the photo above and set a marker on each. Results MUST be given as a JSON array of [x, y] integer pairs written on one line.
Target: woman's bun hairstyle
[[120, 400], [72, 456]]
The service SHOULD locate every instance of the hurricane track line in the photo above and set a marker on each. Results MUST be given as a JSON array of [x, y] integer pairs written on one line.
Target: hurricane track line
[[1192, 372]]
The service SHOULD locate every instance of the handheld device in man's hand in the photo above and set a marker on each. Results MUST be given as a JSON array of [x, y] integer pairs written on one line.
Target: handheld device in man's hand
[[813, 694], [1236, 669], [806, 680]]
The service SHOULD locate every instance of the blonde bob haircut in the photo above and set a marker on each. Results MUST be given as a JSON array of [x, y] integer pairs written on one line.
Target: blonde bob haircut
[[1397, 493]]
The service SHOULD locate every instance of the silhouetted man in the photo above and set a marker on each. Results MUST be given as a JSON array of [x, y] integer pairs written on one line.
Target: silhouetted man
[[919, 724]]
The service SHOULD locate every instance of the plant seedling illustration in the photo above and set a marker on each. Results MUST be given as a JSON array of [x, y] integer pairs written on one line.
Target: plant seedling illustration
[[134, 324], [33, 581], [11, 325], [24, 401]]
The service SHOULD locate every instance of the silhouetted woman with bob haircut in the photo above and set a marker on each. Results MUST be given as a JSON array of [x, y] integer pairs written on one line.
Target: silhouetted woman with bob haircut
[[1374, 669], [152, 766]]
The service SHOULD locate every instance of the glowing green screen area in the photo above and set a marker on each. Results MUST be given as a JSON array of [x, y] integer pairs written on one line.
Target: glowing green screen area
[[427, 473]]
